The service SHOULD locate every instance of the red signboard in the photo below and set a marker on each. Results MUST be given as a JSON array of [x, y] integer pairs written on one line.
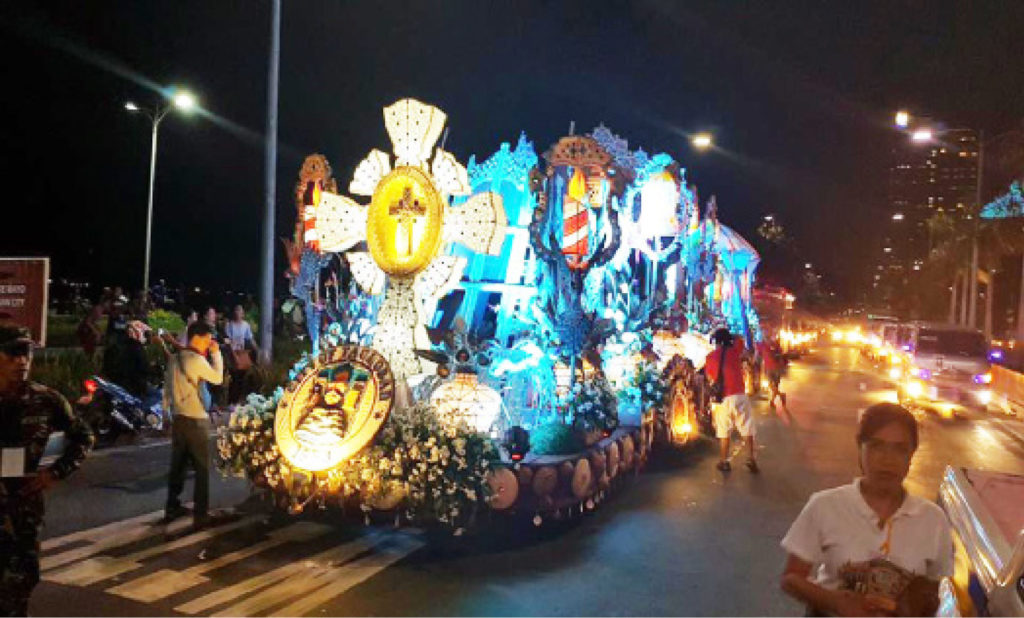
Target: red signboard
[[24, 283]]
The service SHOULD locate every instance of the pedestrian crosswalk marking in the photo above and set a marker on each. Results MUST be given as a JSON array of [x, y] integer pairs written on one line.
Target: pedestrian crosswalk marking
[[165, 582], [101, 532], [115, 538], [84, 559], [353, 574], [99, 568], [339, 553]]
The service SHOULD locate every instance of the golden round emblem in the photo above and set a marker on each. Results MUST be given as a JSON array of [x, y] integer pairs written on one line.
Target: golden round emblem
[[335, 408], [403, 226]]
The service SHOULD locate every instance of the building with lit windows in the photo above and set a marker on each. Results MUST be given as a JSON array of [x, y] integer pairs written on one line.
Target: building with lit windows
[[932, 171]]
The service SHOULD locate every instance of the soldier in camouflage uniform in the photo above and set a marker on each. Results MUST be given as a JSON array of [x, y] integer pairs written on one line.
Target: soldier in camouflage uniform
[[29, 412]]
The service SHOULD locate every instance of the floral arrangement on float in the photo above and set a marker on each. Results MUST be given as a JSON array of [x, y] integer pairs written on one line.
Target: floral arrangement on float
[[314, 443]]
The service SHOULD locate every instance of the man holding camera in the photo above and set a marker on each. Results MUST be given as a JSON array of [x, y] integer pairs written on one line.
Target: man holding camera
[[190, 422]]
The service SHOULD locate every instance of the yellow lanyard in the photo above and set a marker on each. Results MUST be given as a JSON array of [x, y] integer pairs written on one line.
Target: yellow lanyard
[[887, 545]]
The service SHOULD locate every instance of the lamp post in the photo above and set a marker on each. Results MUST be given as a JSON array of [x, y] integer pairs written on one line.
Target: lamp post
[[184, 101]]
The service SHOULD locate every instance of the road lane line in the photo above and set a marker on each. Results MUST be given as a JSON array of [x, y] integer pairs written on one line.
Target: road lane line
[[349, 576], [100, 532], [99, 568], [339, 553], [133, 535], [166, 582]]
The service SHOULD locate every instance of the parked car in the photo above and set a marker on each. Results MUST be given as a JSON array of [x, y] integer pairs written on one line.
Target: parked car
[[986, 510], [944, 364]]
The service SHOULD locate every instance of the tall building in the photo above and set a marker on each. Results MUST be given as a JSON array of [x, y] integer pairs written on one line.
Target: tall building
[[932, 171]]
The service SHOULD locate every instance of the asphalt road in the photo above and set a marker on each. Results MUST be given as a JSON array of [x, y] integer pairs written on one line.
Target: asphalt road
[[681, 538]]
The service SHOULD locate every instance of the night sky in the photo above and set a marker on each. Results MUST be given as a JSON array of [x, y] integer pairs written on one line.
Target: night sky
[[798, 95]]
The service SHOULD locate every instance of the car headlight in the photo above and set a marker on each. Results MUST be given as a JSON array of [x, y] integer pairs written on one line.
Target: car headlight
[[984, 397], [983, 378], [915, 388], [895, 373]]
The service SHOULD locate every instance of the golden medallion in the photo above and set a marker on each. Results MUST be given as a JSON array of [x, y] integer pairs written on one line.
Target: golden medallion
[[335, 408], [403, 228]]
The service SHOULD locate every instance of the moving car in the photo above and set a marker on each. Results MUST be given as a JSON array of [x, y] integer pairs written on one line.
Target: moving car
[[986, 510], [944, 364]]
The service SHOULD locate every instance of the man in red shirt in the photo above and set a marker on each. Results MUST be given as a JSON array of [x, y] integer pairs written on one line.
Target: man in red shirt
[[772, 364], [724, 365]]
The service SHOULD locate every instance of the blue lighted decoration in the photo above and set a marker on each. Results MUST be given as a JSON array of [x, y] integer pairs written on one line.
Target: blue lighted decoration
[[574, 230], [1008, 206], [497, 290]]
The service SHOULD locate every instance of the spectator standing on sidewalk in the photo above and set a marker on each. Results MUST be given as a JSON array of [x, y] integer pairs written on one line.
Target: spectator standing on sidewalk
[[724, 366], [190, 424], [29, 413], [244, 352], [89, 333]]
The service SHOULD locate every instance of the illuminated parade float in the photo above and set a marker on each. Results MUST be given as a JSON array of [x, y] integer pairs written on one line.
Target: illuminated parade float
[[513, 337]]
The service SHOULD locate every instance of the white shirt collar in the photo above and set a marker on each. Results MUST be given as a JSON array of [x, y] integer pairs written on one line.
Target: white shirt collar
[[911, 504]]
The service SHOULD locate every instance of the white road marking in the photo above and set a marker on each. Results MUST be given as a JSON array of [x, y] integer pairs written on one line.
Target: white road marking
[[296, 587], [100, 532], [283, 573], [131, 535], [93, 570], [165, 582], [351, 575]]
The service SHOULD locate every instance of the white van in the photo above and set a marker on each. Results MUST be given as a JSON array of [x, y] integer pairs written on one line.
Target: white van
[[945, 364]]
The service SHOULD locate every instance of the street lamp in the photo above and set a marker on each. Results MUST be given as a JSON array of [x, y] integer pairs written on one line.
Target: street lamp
[[921, 136], [701, 141], [184, 101], [898, 216], [902, 119]]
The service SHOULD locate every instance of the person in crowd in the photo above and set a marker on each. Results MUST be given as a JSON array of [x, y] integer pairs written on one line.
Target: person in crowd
[[190, 427], [244, 353], [138, 308], [117, 318], [844, 534], [772, 364], [190, 316], [29, 413], [216, 392], [125, 362], [724, 367], [89, 333]]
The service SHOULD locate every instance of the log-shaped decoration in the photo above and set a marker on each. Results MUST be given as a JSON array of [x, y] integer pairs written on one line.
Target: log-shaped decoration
[[627, 452], [504, 488], [604, 481], [545, 480], [565, 471], [598, 462], [525, 476], [613, 459], [582, 479]]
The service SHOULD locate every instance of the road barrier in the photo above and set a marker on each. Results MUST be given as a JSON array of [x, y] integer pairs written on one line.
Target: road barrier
[[1008, 390]]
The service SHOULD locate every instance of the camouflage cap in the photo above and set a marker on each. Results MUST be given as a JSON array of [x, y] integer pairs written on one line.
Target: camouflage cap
[[12, 335]]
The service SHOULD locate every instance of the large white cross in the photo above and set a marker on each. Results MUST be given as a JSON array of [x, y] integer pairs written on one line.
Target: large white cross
[[478, 224]]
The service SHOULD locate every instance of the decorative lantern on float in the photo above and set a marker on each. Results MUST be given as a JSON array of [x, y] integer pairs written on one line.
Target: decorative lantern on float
[[465, 399]]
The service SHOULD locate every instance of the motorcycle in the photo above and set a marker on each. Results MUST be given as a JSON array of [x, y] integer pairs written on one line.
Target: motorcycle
[[112, 411]]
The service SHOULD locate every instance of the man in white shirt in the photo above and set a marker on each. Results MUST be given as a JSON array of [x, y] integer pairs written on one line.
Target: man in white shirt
[[190, 422]]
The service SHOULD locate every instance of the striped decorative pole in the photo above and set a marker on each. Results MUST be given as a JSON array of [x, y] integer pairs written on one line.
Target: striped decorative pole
[[575, 228]]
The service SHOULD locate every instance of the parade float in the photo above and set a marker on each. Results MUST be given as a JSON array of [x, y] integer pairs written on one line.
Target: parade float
[[509, 338]]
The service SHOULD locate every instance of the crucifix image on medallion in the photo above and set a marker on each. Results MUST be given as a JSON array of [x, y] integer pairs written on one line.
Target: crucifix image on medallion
[[406, 210]]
